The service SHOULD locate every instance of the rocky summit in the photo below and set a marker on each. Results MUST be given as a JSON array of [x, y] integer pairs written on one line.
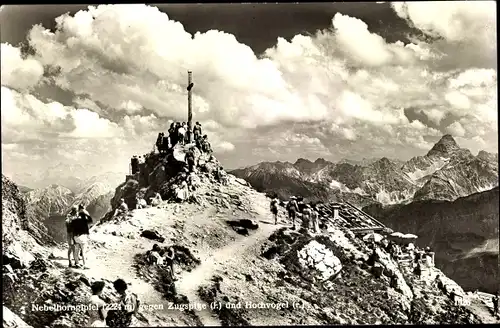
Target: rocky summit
[[233, 265]]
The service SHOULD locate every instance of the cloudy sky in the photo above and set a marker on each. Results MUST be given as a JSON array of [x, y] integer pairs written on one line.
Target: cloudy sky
[[95, 85]]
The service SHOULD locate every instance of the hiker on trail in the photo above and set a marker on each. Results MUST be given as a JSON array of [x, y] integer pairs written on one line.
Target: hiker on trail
[[274, 208], [122, 209], [190, 159], [169, 259], [182, 133], [197, 131], [71, 243], [306, 217], [314, 220], [292, 208], [80, 229], [98, 309], [156, 200], [140, 203], [127, 308]]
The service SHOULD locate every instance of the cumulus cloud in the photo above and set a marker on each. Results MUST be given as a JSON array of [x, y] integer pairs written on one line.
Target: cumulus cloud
[[25, 116], [17, 72], [466, 28], [456, 129], [312, 95]]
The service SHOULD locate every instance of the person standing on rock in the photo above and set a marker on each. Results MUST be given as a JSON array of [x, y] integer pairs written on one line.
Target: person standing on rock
[[182, 133], [71, 243], [274, 208], [171, 134], [292, 208], [197, 131], [80, 229]]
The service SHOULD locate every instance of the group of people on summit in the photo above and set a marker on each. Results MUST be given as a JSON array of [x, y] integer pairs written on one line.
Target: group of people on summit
[[179, 133]]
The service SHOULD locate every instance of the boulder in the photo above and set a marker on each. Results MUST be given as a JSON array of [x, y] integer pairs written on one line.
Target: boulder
[[249, 224], [243, 223], [17, 257], [153, 235], [316, 256]]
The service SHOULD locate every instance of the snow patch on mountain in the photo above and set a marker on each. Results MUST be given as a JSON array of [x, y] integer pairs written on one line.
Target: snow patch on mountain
[[433, 167], [334, 184], [393, 197]]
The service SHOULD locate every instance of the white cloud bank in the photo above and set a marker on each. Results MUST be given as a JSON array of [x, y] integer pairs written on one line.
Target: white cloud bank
[[347, 84]]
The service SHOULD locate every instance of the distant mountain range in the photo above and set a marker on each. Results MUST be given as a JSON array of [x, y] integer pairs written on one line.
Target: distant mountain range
[[52, 203], [74, 177], [463, 233], [446, 172]]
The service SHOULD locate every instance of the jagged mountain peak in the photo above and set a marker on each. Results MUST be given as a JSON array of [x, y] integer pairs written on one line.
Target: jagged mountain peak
[[321, 161], [444, 147], [487, 156], [302, 160]]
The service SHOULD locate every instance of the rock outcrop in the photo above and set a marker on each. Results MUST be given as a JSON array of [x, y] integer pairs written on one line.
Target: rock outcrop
[[315, 256]]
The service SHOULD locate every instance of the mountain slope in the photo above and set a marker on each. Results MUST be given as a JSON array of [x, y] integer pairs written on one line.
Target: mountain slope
[[446, 172], [458, 231], [462, 175], [17, 217]]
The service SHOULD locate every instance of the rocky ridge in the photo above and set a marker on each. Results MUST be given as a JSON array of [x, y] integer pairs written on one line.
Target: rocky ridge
[[446, 172]]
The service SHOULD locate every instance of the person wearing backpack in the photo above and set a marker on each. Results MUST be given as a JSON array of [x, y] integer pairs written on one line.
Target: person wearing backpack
[[292, 208], [274, 208], [128, 306]]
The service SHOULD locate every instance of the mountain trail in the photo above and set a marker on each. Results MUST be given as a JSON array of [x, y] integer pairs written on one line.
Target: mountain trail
[[111, 256], [190, 282]]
